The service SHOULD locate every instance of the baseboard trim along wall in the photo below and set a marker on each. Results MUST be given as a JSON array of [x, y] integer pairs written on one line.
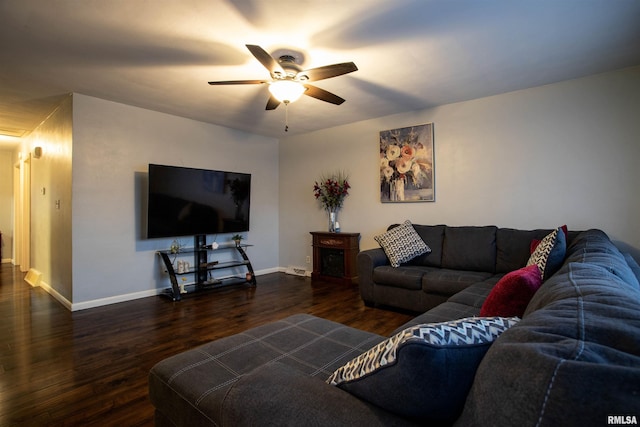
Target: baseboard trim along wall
[[55, 294], [84, 305]]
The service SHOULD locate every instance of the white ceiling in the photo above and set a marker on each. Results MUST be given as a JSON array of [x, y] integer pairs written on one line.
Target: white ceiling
[[411, 54]]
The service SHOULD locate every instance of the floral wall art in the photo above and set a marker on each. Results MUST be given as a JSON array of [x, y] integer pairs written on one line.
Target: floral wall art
[[406, 164]]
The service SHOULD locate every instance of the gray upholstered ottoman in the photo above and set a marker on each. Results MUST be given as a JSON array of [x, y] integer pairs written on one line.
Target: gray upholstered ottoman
[[270, 364]]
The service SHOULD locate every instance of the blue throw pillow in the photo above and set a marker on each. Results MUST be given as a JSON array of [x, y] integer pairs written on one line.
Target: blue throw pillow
[[425, 371], [549, 254]]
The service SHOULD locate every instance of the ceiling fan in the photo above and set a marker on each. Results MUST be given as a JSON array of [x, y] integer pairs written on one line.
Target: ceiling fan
[[288, 80]]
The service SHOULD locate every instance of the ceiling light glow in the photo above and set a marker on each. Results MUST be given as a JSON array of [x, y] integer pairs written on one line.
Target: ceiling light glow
[[286, 90]]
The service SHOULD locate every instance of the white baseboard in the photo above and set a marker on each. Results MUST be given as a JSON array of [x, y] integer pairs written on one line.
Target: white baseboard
[[97, 302], [126, 297], [114, 299], [55, 294]]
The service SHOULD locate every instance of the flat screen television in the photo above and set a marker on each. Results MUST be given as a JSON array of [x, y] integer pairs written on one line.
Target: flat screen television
[[188, 201]]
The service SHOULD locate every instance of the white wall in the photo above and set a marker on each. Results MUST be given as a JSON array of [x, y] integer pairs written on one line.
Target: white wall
[[112, 147], [541, 157], [50, 182], [6, 204], [562, 153]]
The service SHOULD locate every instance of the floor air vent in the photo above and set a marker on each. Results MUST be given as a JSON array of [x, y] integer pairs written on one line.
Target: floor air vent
[[296, 271]]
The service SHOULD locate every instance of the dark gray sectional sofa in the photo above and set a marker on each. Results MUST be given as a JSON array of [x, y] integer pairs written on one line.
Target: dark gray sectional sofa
[[459, 257], [572, 360]]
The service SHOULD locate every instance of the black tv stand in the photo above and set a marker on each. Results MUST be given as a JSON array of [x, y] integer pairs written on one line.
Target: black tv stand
[[201, 269]]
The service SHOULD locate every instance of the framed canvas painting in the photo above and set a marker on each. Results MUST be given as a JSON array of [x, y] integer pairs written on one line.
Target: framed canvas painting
[[407, 164]]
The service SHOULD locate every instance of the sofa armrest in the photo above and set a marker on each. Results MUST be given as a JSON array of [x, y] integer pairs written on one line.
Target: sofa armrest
[[279, 395], [366, 261]]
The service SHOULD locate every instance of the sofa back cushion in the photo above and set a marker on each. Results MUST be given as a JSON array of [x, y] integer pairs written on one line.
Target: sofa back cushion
[[594, 247], [574, 358], [470, 248], [583, 367], [433, 236], [633, 265], [402, 244], [514, 247]]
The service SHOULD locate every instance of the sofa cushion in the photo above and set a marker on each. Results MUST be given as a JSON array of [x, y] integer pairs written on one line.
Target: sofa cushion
[[402, 244], [584, 365], [470, 248], [406, 276], [615, 264], [513, 247], [425, 371], [511, 295], [466, 303], [444, 312], [476, 294], [595, 248], [590, 241], [433, 236], [448, 282], [549, 254], [633, 265]]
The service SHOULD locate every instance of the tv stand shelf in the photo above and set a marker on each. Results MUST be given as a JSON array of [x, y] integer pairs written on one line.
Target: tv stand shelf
[[200, 270]]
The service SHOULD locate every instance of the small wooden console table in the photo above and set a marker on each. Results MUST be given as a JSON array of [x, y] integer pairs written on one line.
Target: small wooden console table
[[334, 256]]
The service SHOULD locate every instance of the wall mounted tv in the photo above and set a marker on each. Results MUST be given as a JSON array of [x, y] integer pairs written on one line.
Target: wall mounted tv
[[188, 202]]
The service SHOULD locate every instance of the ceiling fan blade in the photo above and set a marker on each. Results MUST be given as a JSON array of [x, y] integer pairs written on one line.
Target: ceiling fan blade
[[265, 59], [322, 95], [328, 71], [272, 103], [238, 82]]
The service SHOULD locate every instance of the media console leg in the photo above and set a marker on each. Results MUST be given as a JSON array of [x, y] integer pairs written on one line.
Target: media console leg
[[172, 276], [244, 256]]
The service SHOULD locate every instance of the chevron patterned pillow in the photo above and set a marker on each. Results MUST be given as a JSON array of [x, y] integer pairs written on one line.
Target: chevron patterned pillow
[[402, 244], [549, 253], [424, 371]]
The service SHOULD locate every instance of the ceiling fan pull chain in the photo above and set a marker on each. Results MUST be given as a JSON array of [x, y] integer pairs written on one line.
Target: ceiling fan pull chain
[[286, 116]]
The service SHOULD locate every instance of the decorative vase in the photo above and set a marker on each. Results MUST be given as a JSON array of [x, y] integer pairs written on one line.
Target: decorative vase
[[333, 218], [396, 190]]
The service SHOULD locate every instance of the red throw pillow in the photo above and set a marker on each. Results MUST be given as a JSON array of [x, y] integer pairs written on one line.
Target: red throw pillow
[[511, 295]]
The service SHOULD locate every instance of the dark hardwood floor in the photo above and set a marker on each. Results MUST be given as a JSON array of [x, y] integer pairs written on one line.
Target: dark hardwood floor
[[90, 367]]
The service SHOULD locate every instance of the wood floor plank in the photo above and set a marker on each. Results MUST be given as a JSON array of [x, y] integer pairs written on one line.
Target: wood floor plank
[[90, 367]]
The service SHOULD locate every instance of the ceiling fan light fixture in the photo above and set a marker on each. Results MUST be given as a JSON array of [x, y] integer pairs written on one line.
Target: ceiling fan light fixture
[[286, 90]]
